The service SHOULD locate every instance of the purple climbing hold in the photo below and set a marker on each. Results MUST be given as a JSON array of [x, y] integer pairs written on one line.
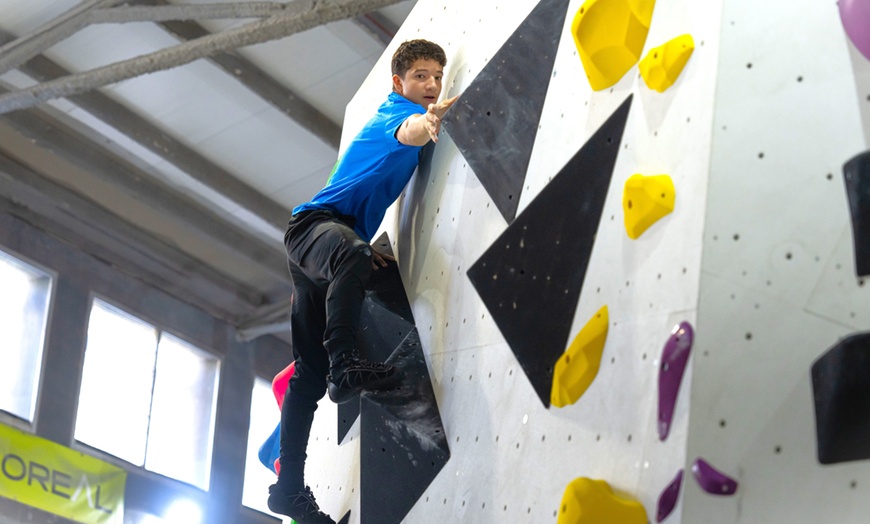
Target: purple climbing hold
[[711, 480], [668, 498], [671, 370], [855, 15]]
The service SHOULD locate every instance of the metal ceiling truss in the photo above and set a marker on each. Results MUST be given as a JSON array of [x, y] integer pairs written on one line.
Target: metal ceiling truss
[[266, 320], [108, 237], [73, 146], [24, 53], [263, 85], [160, 143], [20, 50], [296, 16]]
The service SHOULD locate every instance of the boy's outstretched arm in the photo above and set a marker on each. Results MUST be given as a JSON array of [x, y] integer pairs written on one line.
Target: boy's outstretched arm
[[417, 130]]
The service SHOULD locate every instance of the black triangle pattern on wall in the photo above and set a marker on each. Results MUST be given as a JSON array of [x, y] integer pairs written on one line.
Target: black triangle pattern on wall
[[857, 176], [403, 446], [385, 321], [402, 441], [495, 121], [531, 278], [842, 400]]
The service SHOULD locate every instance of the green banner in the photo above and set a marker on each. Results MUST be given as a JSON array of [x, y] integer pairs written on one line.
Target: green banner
[[56, 479]]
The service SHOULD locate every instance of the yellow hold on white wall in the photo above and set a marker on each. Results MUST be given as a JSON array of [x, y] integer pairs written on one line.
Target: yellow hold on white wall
[[590, 501], [610, 35], [662, 66], [577, 368], [645, 200]]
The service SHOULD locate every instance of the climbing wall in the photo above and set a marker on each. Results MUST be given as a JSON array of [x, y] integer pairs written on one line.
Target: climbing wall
[[521, 237], [779, 286], [512, 454]]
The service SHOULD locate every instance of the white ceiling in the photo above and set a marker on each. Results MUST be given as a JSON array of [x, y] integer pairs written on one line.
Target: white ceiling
[[206, 109]]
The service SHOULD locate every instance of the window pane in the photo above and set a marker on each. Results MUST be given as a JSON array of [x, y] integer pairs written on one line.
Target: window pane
[[264, 417], [182, 414], [23, 312], [117, 379]]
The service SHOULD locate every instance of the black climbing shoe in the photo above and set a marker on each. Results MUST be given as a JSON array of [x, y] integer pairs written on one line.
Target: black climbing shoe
[[359, 375], [299, 506]]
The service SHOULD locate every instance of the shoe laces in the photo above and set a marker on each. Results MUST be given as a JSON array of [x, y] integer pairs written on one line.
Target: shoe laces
[[365, 365], [306, 497]]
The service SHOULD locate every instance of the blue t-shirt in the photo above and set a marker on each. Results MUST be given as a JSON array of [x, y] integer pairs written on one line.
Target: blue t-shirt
[[373, 171]]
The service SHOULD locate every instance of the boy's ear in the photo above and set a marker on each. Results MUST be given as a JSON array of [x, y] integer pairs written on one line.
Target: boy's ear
[[397, 84]]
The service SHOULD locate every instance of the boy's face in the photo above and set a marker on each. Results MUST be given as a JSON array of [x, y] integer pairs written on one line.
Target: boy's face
[[421, 83]]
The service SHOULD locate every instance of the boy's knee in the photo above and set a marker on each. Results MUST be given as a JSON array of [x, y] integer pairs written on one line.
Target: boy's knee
[[358, 258], [306, 391], [308, 384]]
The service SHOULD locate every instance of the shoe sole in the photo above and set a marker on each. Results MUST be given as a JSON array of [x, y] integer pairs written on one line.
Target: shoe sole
[[342, 396], [295, 517]]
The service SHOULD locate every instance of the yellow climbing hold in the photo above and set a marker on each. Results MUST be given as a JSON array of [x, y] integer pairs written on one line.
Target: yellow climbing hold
[[577, 368], [589, 501], [661, 67], [610, 35], [645, 200]]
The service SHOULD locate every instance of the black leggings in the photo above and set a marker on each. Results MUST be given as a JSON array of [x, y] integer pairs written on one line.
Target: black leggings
[[330, 265]]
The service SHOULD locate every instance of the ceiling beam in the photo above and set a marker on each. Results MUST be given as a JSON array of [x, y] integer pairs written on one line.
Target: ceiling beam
[[266, 320], [162, 144], [66, 143], [299, 16], [379, 26], [248, 333], [35, 42], [106, 236], [263, 85], [163, 13]]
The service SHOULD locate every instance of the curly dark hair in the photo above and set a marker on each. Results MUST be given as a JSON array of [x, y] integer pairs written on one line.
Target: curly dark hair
[[412, 50]]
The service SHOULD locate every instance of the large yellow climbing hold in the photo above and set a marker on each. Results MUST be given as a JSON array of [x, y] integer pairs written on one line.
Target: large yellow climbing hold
[[610, 35], [645, 200], [589, 501], [576, 368], [661, 67]]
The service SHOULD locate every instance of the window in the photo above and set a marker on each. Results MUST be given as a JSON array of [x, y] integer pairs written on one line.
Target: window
[[23, 314], [147, 397], [264, 417]]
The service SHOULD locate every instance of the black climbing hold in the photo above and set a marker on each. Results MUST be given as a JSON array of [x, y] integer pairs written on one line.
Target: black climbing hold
[[402, 441], [531, 277], [495, 121], [857, 174], [385, 320], [842, 400]]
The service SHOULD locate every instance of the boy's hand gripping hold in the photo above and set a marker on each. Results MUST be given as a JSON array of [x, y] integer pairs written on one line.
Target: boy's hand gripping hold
[[418, 129], [434, 114]]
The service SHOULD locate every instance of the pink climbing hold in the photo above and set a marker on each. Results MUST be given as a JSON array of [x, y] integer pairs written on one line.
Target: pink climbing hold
[[270, 451], [668, 498], [712, 480], [281, 382], [855, 15], [675, 355]]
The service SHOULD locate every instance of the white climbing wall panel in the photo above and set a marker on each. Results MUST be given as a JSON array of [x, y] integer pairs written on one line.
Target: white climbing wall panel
[[778, 284], [757, 255], [511, 457]]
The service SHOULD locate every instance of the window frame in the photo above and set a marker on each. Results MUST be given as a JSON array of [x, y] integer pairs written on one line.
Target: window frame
[[160, 328], [10, 419], [268, 383]]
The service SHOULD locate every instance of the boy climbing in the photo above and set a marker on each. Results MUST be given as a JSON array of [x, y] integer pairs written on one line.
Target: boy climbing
[[330, 261]]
